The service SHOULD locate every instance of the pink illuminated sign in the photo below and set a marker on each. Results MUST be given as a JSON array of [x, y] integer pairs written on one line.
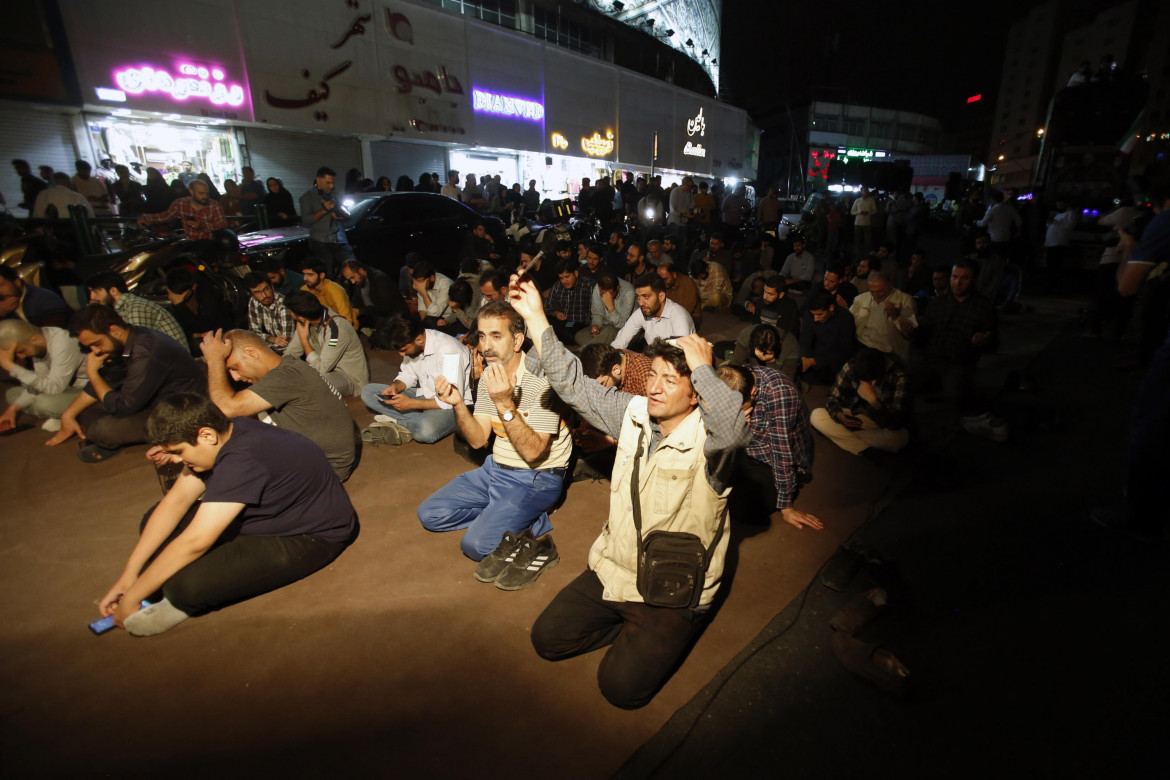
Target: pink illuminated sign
[[193, 81]]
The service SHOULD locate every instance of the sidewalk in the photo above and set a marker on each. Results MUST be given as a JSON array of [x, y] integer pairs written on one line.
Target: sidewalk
[[1029, 632]]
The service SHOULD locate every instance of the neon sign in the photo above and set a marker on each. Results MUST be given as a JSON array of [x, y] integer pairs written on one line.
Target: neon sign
[[598, 146], [559, 141], [193, 81], [696, 125], [694, 150], [506, 105], [975, 98]]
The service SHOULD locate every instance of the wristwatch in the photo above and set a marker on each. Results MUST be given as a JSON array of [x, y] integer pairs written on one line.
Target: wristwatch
[[508, 416]]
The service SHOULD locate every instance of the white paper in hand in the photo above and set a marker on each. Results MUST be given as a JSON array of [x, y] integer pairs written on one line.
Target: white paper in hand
[[451, 370]]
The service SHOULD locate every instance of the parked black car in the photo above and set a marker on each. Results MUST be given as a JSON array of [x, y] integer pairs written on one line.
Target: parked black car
[[384, 227]]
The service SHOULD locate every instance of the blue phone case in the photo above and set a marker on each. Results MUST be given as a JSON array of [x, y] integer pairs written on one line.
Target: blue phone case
[[99, 627]]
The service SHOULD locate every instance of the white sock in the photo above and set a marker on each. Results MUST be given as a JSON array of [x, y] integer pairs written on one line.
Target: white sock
[[154, 619]]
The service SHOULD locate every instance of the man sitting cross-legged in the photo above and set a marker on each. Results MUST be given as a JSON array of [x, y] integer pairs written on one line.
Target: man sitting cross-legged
[[129, 369], [410, 399], [868, 405], [286, 392], [676, 455], [55, 379], [255, 508], [503, 504]]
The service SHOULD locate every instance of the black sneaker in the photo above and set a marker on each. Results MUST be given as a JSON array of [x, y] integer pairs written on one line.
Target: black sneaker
[[494, 564], [532, 557]]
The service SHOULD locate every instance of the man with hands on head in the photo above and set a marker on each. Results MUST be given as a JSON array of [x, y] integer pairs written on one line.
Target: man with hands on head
[[284, 391], [675, 461], [55, 379], [504, 503], [254, 509]]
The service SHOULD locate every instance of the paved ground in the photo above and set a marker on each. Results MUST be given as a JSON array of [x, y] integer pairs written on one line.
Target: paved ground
[[1031, 635]]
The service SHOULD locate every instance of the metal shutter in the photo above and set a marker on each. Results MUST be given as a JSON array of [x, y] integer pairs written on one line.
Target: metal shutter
[[398, 158], [42, 138], [295, 157]]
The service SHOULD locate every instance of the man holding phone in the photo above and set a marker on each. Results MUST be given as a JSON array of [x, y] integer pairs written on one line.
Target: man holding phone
[[410, 403]]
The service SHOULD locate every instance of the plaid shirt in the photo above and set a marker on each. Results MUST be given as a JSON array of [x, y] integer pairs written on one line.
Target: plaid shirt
[[197, 222], [637, 372], [891, 391], [148, 314], [272, 320], [781, 437], [948, 325], [575, 302]]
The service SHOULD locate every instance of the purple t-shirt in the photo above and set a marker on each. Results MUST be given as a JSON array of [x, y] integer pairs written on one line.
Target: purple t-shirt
[[284, 482]]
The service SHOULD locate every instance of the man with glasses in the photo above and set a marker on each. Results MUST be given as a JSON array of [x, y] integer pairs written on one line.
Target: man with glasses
[[267, 316]]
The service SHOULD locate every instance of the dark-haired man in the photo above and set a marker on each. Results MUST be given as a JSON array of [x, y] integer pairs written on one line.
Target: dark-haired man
[[372, 296], [30, 186], [569, 301], [29, 302], [432, 289], [51, 384], [197, 305], [328, 343], [682, 289], [285, 392], [672, 472], [288, 516], [129, 370], [109, 289], [323, 217], [410, 399], [657, 317], [504, 503], [328, 292], [828, 338], [868, 404], [268, 317], [284, 280], [610, 305]]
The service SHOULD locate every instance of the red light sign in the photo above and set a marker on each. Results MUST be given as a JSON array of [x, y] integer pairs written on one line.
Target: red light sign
[[974, 98]]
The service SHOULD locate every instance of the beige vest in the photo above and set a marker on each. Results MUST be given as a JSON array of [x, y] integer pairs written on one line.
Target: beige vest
[[675, 496]]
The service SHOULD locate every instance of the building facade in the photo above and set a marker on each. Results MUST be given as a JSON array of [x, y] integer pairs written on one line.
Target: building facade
[[389, 88]]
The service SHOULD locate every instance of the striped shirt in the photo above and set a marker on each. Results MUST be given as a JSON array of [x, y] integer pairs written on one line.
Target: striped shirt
[[539, 406], [148, 314]]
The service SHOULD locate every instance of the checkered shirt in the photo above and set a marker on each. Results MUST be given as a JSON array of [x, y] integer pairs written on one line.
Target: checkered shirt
[[197, 223], [781, 437], [272, 320]]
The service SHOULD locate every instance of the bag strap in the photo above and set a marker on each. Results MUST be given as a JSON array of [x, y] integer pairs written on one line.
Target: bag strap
[[636, 504]]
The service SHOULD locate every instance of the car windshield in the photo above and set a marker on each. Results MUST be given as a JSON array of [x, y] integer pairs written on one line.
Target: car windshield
[[361, 208]]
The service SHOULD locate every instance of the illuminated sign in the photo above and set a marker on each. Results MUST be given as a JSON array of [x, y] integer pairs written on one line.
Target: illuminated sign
[[193, 81], [506, 105], [851, 154], [697, 125], [598, 146], [694, 150], [975, 98], [559, 141]]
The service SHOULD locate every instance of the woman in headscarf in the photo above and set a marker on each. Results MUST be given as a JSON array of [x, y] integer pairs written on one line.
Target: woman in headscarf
[[279, 202]]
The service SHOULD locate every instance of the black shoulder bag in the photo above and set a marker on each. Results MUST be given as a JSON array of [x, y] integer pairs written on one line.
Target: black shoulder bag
[[672, 566]]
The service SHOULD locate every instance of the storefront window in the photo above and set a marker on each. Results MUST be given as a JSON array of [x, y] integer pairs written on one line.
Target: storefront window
[[176, 150]]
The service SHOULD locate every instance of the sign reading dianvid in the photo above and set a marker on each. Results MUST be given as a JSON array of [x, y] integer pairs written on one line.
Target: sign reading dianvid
[[696, 127], [486, 102]]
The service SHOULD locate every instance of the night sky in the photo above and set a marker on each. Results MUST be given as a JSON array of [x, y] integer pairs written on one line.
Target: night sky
[[911, 55]]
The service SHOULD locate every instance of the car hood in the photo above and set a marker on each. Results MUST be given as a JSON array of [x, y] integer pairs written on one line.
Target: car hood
[[262, 239]]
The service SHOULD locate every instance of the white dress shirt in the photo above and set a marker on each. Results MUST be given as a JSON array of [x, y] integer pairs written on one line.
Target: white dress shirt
[[422, 371], [673, 322]]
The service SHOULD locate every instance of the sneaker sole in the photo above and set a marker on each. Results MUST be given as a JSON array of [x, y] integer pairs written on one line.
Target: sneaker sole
[[529, 583]]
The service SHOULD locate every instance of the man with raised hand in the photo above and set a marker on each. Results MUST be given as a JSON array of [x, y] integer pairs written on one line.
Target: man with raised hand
[[675, 462]]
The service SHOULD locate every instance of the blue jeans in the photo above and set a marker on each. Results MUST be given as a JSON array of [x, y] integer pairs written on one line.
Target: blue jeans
[[490, 501], [426, 425]]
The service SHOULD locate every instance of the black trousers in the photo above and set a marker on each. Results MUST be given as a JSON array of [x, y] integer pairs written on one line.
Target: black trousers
[[647, 643], [106, 430], [240, 567]]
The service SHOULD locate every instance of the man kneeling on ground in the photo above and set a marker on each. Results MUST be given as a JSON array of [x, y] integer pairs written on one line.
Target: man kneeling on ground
[[504, 503], [255, 509], [676, 455]]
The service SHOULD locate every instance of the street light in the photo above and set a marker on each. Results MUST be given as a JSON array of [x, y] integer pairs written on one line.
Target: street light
[[1000, 158], [1039, 132]]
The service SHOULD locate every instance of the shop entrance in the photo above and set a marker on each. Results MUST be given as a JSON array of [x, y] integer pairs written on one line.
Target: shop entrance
[[175, 149], [485, 164]]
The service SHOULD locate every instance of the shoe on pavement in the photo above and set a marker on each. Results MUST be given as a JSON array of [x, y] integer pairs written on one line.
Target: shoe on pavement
[[493, 565], [987, 427], [386, 433], [533, 557]]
